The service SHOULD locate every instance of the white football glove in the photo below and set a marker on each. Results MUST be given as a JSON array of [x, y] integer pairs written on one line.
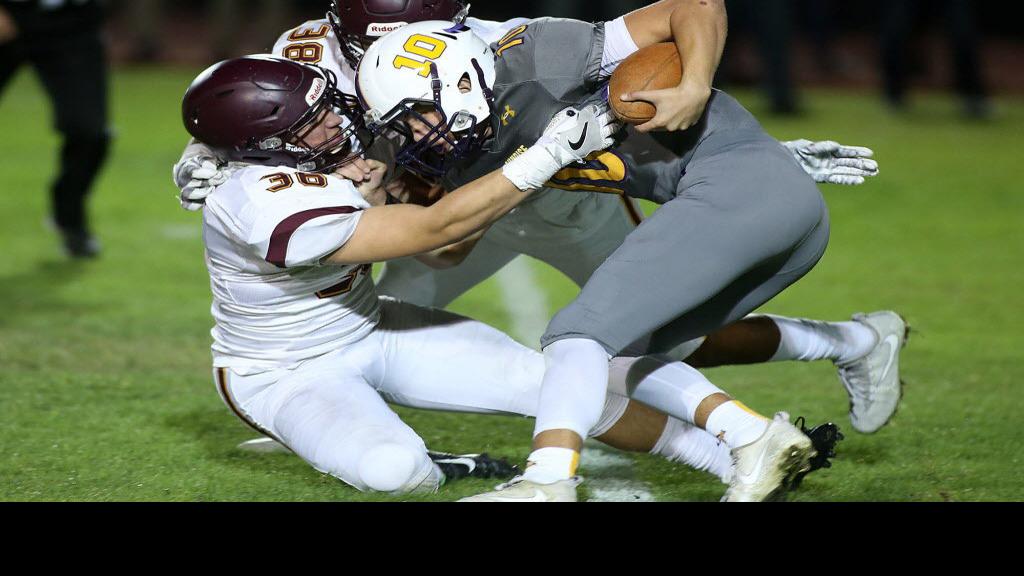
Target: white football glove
[[832, 163], [571, 136], [197, 177]]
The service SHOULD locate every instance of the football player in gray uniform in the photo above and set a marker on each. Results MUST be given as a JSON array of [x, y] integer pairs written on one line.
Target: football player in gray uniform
[[739, 220], [304, 350]]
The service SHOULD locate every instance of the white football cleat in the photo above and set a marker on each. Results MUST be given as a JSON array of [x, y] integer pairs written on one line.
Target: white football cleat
[[520, 489], [764, 469], [873, 380], [263, 446]]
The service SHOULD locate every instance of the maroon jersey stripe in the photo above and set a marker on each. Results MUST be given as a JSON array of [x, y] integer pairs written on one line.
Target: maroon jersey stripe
[[278, 250]]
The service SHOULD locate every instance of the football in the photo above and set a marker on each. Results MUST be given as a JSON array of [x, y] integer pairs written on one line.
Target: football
[[652, 68]]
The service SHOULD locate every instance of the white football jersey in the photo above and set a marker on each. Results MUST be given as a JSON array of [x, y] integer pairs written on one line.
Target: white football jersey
[[314, 42], [266, 231]]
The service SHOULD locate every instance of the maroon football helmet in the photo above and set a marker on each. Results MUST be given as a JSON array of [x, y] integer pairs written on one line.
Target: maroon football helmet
[[357, 23], [257, 108]]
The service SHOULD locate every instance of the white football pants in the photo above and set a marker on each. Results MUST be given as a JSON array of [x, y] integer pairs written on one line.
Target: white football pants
[[332, 410]]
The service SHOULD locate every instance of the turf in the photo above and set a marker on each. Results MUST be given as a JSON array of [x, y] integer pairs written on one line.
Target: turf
[[105, 389]]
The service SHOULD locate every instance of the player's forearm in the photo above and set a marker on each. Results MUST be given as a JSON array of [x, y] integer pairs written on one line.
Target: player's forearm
[[699, 29], [474, 206], [396, 231], [451, 255]]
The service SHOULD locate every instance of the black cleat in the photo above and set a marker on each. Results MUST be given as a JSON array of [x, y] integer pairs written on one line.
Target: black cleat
[[824, 438], [79, 243], [456, 466]]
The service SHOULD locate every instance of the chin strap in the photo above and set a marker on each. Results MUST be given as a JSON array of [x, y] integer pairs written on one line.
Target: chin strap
[[482, 81]]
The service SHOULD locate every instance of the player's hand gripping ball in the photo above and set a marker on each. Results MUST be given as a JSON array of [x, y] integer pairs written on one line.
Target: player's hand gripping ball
[[655, 67]]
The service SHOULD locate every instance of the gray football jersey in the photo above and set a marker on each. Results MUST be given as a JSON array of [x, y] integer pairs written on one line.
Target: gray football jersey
[[548, 64]]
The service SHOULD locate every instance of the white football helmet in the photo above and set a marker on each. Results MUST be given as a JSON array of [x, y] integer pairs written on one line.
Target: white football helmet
[[420, 67]]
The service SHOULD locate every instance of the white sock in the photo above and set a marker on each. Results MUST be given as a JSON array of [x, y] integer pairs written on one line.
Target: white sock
[[687, 444], [807, 340], [575, 384], [675, 388], [736, 424], [549, 465]]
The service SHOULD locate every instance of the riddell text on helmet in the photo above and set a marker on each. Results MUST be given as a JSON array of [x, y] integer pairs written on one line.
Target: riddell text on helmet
[[380, 29], [315, 91]]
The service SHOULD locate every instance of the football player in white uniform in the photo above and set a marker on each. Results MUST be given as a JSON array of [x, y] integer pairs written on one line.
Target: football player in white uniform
[[305, 352], [575, 233]]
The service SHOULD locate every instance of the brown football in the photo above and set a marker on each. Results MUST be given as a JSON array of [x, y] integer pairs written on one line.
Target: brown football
[[652, 68]]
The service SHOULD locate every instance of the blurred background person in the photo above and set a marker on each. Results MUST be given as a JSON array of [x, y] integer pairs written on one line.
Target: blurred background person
[[147, 17], [819, 18], [769, 24], [269, 18], [232, 26], [61, 40], [898, 19]]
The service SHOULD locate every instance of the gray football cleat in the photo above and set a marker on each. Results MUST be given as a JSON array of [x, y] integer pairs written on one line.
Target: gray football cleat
[[520, 489], [765, 468], [873, 380]]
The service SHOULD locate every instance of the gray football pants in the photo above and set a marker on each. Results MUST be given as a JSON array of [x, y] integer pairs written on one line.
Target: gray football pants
[[571, 231], [746, 222]]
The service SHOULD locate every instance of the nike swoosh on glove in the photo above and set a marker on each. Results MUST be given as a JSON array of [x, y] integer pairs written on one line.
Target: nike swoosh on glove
[[571, 136], [833, 163]]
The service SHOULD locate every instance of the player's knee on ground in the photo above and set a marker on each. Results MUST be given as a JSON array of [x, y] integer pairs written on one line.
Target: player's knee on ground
[[399, 469]]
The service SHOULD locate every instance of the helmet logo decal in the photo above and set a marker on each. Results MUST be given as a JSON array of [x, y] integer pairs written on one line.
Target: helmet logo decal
[[423, 46], [316, 91], [382, 28]]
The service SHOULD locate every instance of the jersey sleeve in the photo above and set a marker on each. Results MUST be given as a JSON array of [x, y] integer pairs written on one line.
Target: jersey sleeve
[[490, 30], [301, 224], [563, 55], [289, 239], [618, 45]]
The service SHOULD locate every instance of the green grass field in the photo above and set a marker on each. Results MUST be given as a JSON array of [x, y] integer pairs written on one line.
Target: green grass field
[[105, 388]]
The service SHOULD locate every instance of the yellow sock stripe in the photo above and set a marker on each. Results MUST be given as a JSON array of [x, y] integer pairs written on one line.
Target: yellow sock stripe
[[744, 407]]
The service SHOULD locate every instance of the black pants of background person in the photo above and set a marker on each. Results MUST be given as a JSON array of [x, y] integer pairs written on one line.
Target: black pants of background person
[[770, 23], [65, 48], [897, 28]]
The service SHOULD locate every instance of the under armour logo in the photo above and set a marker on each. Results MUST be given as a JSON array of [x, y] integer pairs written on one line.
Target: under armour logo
[[509, 113]]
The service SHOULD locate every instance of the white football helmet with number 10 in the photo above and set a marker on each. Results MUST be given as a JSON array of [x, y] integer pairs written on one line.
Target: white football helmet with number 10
[[419, 68]]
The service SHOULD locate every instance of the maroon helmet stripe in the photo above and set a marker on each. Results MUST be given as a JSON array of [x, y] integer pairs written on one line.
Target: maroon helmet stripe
[[278, 250]]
